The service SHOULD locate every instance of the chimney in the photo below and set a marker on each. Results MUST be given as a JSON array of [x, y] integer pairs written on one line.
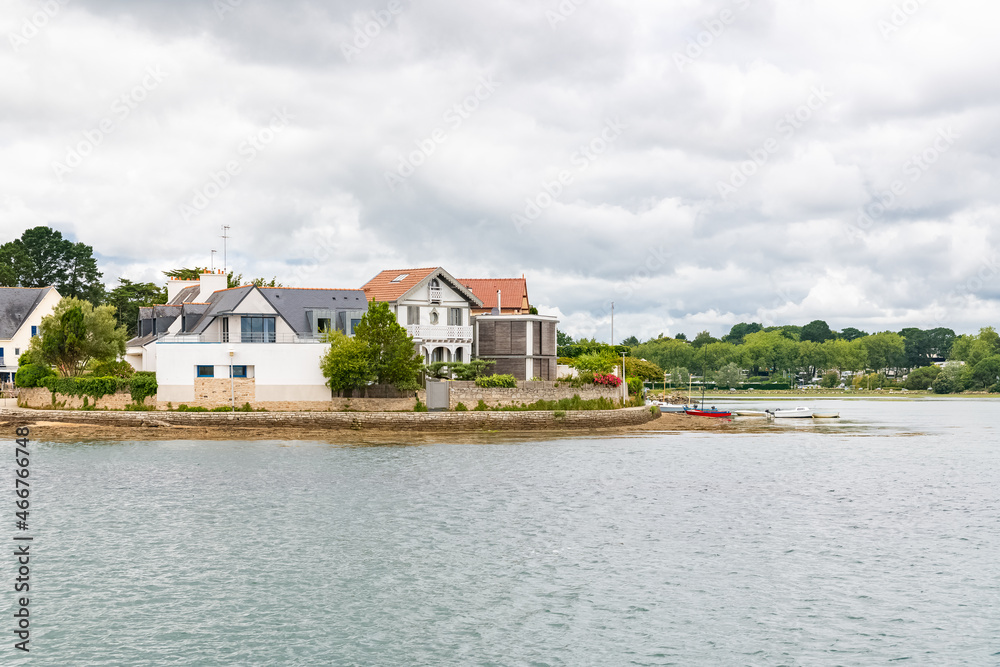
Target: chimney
[[499, 307]]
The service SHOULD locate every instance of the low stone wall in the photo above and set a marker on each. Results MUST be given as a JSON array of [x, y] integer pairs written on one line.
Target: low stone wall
[[41, 398], [469, 394], [395, 421]]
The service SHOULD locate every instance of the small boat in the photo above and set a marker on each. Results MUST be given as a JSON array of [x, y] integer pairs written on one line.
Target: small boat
[[826, 415], [751, 413], [666, 407], [800, 412], [709, 413]]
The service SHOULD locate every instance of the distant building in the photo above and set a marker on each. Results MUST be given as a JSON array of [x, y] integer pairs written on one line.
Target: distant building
[[512, 292], [21, 313], [432, 306]]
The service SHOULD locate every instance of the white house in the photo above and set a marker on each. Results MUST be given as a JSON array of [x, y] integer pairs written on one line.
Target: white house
[[21, 313], [434, 308], [246, 344]]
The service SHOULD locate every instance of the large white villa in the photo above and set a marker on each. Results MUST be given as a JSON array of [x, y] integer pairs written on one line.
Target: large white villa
[[434, 307], [246, 344]]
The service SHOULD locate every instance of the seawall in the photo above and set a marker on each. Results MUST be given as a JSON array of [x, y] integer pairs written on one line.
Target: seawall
[[382, 421]]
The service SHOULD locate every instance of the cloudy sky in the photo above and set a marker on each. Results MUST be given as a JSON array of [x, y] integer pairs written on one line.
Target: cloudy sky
[[696, 163]]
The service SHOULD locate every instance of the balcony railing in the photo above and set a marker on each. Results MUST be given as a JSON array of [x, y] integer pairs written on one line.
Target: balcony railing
[[259, 337], [435, 294], [439, 332]]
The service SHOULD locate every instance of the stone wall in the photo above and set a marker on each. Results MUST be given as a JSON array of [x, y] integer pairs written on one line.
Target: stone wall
[[210, 392], [389, 421], [469, 394], [41, 398]]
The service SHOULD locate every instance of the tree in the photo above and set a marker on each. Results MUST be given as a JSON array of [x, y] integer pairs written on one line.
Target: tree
[[563, 338], [641, 368], [816, 331], [830, 380], [666, 352], [950, 380], [740, 331], [921, 378], [813, 357], [702, 339], [42, 257], [728, 376], [885, 350], [128, 297], [631, 341], [347, 364], [595, 363], [973, 349], [850, 333], [679, 336], [917, 347], [986, 373], [75, 333], [391, 352]]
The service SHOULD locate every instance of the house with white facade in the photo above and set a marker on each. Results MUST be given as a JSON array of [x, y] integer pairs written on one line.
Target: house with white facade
[[432, 306], [251, 344], [21, 313]]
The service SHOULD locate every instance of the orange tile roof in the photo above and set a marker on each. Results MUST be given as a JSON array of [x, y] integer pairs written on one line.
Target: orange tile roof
[[381, 287], [513, 291]]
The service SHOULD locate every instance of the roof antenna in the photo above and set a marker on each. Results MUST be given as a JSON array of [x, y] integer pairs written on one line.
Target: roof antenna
[[225, 256]]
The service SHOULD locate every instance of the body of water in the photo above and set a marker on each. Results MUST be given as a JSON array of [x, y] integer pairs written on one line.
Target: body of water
[[867, 541]]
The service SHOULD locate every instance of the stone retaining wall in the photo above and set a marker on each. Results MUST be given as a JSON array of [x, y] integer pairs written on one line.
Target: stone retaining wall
[[469, 394], [41, 398], [396, 421]]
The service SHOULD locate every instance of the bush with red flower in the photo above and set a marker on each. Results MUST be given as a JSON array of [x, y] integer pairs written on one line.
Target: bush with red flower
[[607, 380]]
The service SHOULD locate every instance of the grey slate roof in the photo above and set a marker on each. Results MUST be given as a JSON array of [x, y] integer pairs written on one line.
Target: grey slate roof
[[185, 295], [292, 303], [220, 302], [16, 304]]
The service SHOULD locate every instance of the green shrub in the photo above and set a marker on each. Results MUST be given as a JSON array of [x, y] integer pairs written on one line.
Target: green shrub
[[482, 407], [117, 369], [25, 359], [419, 407], [830, 380], [460, 407], [142, 385], [183, 407], [654, 410], [505, 381], [222, 408], [921, 378], [559, 414], [32, 375], [83, 386], [140, 407]]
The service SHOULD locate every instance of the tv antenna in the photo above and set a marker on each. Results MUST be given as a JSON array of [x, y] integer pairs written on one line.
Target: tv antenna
[[225, 256]]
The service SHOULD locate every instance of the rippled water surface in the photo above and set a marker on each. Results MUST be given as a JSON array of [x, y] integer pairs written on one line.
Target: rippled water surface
[[866, 541]]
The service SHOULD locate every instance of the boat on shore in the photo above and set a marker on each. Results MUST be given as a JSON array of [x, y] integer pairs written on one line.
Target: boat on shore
[[751, 413], [800, 412], [709, 413], [826, 415], [668, 407]]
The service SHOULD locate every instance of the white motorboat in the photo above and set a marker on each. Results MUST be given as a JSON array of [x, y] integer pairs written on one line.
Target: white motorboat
[[800, 412]]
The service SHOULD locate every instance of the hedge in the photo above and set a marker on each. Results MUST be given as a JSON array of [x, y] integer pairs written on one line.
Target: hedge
[[496, 381], [141, 385]]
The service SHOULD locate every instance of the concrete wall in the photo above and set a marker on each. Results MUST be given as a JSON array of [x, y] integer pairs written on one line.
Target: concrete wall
[[526, 392]]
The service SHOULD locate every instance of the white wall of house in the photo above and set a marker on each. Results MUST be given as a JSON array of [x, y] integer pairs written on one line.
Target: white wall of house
[[19, 342], [282, 371], [426, 333]]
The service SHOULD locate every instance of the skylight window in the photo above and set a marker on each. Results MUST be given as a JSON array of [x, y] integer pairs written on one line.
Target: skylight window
[[399, 278]]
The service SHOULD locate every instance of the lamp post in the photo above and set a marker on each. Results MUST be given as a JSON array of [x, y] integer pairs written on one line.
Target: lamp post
[[232, 385]]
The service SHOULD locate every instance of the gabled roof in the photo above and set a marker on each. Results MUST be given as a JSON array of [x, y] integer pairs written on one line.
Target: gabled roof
[[394, 284], [513, 291], [391, 284], [293, 302], [16, 304]]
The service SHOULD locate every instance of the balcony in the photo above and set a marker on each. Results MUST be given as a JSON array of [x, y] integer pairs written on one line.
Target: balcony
[[259, 337], [435, 294], [439, 332]]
